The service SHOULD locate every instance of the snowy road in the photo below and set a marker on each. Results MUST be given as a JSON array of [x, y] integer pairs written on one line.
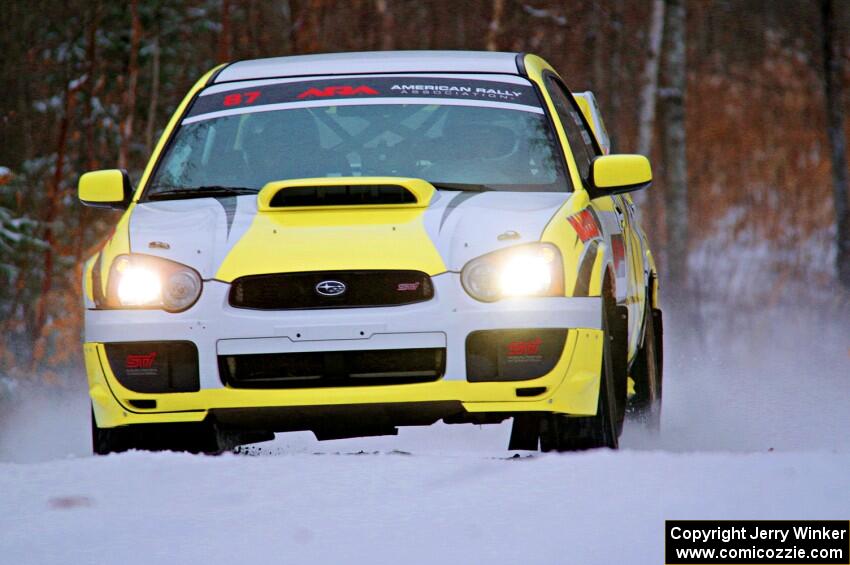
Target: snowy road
[[394, 508], [749, 435]]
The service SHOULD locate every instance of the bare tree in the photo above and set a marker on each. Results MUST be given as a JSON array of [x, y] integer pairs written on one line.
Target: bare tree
[[132, 81], [385, 14], [646, 111], [306, 27], [674, 145], [495, 25], [154, 96], [224, 35], [52, 201], [612, 99], [833, 91]]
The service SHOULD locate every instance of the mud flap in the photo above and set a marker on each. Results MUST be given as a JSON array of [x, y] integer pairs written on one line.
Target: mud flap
[[525, 432], [620, 361], [658, 327]]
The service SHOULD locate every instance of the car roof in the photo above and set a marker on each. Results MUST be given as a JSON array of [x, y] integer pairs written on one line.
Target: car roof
[[371, 62]]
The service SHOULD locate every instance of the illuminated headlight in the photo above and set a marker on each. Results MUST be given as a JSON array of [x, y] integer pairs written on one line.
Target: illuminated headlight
[[524, 270], [138, 286], [145, 281]]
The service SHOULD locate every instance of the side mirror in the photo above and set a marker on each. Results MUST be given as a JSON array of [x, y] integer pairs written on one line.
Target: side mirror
[[110, 188], [616, 174]]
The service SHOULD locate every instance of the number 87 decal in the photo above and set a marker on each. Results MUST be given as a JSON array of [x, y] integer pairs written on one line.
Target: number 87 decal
[[238, 99]]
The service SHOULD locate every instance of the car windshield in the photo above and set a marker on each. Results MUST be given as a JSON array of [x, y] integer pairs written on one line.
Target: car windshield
[[459, 133]]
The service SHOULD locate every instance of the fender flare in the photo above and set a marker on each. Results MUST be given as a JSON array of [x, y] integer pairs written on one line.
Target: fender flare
[[603, 268]]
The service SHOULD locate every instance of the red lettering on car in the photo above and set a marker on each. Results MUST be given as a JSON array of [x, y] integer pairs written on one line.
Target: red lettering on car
[[140, 361], [237, 98], [337, 91], [516, 348]]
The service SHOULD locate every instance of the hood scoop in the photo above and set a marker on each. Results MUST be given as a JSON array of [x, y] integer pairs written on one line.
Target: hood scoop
[[344, 193]]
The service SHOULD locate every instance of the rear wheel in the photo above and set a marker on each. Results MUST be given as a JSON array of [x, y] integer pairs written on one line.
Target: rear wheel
[[558, 432], [194, 438], [645, 405]]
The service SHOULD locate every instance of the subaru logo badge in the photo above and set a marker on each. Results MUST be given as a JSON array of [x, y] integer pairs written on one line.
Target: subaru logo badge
[[330, 288]]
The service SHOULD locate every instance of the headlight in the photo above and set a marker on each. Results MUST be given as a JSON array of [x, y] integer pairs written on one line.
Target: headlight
[[145, 281], [525, 270]]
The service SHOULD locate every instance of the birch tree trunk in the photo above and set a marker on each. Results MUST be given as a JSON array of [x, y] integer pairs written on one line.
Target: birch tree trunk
[[612, 98], [675, 162], [833, 95], [646, 111]]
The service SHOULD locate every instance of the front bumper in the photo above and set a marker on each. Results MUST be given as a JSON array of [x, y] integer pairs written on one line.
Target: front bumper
[[445, 321]]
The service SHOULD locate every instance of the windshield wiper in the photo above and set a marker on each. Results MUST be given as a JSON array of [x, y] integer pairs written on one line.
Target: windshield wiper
[[199, 192], [462, 187]]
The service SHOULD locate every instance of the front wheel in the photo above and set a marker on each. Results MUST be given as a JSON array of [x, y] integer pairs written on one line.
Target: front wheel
[[107, 440], [194, 438], [558, 432]]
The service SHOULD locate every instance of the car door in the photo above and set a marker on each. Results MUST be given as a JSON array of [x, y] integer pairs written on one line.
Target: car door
[[635, 251]]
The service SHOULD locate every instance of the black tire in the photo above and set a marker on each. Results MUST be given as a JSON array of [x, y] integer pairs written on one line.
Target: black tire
[[107, 440], [194, 438], [647, 371], [567, 433]]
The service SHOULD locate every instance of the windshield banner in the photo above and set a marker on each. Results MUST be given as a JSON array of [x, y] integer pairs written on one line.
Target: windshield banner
[[363, 89]]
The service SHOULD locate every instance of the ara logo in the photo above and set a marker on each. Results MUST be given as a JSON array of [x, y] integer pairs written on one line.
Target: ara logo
[[140, 361], [330, 288], [345, 90]]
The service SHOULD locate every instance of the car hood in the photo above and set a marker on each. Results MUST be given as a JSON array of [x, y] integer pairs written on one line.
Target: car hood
[[225, 238]]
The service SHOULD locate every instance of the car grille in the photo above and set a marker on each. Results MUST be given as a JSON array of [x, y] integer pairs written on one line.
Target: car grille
[[333, 368], [290, 291]]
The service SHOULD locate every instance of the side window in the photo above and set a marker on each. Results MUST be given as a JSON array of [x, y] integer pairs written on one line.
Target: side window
[[581, 142]]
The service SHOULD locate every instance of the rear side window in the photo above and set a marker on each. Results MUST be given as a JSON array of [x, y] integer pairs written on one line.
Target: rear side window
[[579, 137]]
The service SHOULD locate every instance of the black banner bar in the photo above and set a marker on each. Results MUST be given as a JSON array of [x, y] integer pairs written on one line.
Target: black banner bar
[[757, 542], [238, 97]]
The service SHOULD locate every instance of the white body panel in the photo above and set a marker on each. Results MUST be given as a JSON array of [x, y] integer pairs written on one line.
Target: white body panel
[[372, 62], [461, 225], [215, 327]]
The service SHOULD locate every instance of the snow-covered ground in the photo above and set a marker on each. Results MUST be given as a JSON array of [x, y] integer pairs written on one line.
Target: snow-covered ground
[[396, 508], [756, 426]]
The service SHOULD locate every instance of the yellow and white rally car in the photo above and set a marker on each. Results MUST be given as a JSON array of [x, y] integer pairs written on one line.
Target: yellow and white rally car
[[354, 242]]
